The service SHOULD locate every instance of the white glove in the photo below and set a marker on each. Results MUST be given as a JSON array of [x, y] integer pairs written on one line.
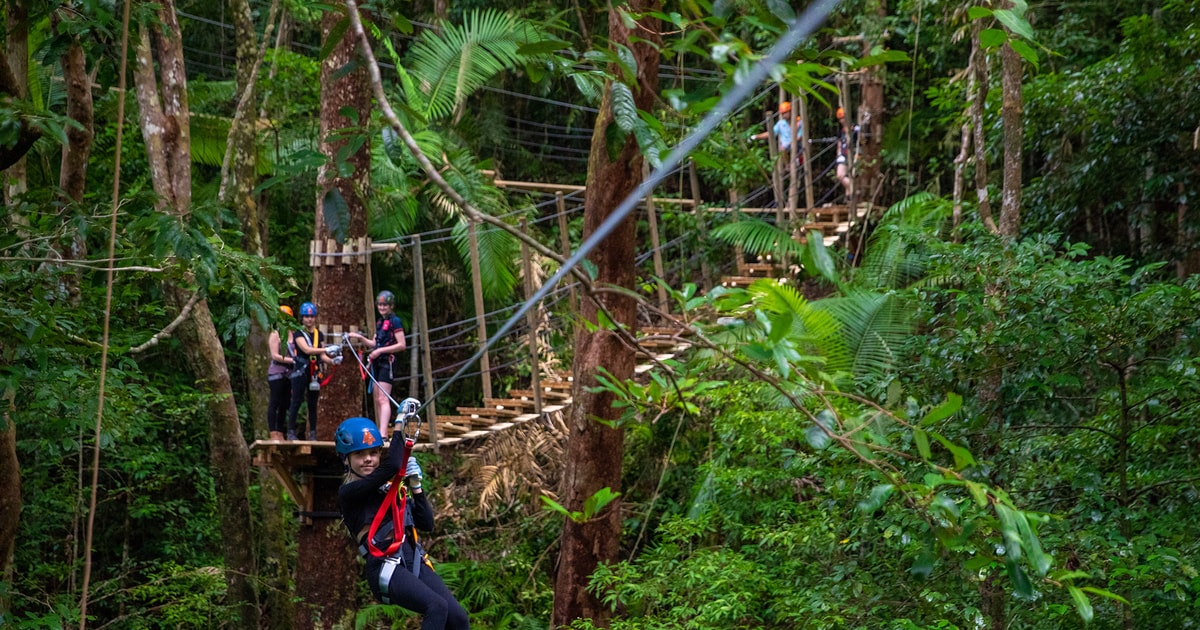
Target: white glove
[[333, 351], [338, 359], [412, 473]]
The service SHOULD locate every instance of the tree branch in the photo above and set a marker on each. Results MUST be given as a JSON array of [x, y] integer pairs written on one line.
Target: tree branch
[[166, 332]]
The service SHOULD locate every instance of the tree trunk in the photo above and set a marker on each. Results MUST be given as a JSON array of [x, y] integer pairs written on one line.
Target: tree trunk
[[164, 114], [12, 61], [595, 449], [14, 70], [327, 572], [1010, 113], [978, 99], [237, 192], [72, 177], [10, 496], [14, 73]]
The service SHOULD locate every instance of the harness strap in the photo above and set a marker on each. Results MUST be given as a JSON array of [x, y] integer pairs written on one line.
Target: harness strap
[[396, 508], [385, 575]]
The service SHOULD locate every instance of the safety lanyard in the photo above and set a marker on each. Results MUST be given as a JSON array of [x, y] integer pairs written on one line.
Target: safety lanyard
[[395, 507]]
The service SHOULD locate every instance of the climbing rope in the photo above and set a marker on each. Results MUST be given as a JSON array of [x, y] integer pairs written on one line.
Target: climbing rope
[[108, 296]]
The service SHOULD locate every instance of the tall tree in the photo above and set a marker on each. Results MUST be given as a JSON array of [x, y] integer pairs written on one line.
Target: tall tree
[[14, 70], [595, 448], [163, 108], [1010, 114], [326, 574], [239, 171]]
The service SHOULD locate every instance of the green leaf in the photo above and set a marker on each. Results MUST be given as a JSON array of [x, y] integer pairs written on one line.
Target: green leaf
[[945, 410], [1104, 593], [555, 506], [978, 12], [1022, 587], [336, 214], [922, 441], [923, 564], [817, 437], [1082, 605], [623, 106], [1025, 50], [962, 457], [1015, 23], [593, 504], [978, 492], [879, 495], [1033, 546], [334, 37], [819, 257], [992, 38]]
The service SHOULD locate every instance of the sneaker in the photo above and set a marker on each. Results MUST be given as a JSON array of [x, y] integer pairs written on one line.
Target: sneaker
[[292, 436], [312, 435]]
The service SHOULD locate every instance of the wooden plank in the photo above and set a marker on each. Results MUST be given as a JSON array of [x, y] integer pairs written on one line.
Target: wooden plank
[[508, 403], [491, 412]]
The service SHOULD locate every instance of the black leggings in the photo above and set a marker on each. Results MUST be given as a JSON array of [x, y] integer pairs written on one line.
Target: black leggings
[[279, 403], [428, 596], [301, 393]]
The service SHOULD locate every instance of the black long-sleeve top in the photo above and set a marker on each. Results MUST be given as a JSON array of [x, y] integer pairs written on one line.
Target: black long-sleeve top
[[360, 499]]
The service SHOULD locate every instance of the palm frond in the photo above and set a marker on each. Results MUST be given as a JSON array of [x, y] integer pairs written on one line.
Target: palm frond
[[210, 134], [896, 252], [874, 327], [461, 58], [497, 255], [757, 237]]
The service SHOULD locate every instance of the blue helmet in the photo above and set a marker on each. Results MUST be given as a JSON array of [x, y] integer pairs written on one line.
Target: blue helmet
[[386, 297], [356, 434], [308, 309]]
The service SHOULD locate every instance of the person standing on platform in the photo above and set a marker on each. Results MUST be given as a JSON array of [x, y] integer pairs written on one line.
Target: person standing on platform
[[305, 376], [847, 138], [782, 129], [280, 387], [388, 342]]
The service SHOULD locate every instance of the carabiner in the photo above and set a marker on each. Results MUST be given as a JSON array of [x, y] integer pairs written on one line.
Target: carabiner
[[409, 419]]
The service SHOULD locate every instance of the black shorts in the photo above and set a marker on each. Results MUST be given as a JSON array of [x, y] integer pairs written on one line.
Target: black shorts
[[381, 369]]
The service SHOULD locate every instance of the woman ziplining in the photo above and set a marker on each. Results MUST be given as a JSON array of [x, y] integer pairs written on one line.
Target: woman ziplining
[[382, 504]]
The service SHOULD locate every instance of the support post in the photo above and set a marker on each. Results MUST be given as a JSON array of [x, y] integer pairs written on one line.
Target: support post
[[655, 243], [423, 326], [485, 368], [694, 181], [532, 320], [806, 145], [564, 237]]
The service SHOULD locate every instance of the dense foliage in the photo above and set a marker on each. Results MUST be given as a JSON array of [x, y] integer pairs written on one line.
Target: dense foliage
[[958, 417]]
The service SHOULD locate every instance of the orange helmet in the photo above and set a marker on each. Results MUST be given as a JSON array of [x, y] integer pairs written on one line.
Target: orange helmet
[[841, 113], [785, 107], [284, 308]]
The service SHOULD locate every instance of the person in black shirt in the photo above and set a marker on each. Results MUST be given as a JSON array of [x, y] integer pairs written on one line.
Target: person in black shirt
[[398, 574], [388, 341]]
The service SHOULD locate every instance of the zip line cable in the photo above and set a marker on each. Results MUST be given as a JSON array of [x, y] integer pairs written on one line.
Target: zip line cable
[[799, 30]]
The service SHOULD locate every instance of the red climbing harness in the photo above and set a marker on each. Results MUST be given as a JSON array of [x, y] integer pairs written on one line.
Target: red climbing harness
[[409, 421]]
